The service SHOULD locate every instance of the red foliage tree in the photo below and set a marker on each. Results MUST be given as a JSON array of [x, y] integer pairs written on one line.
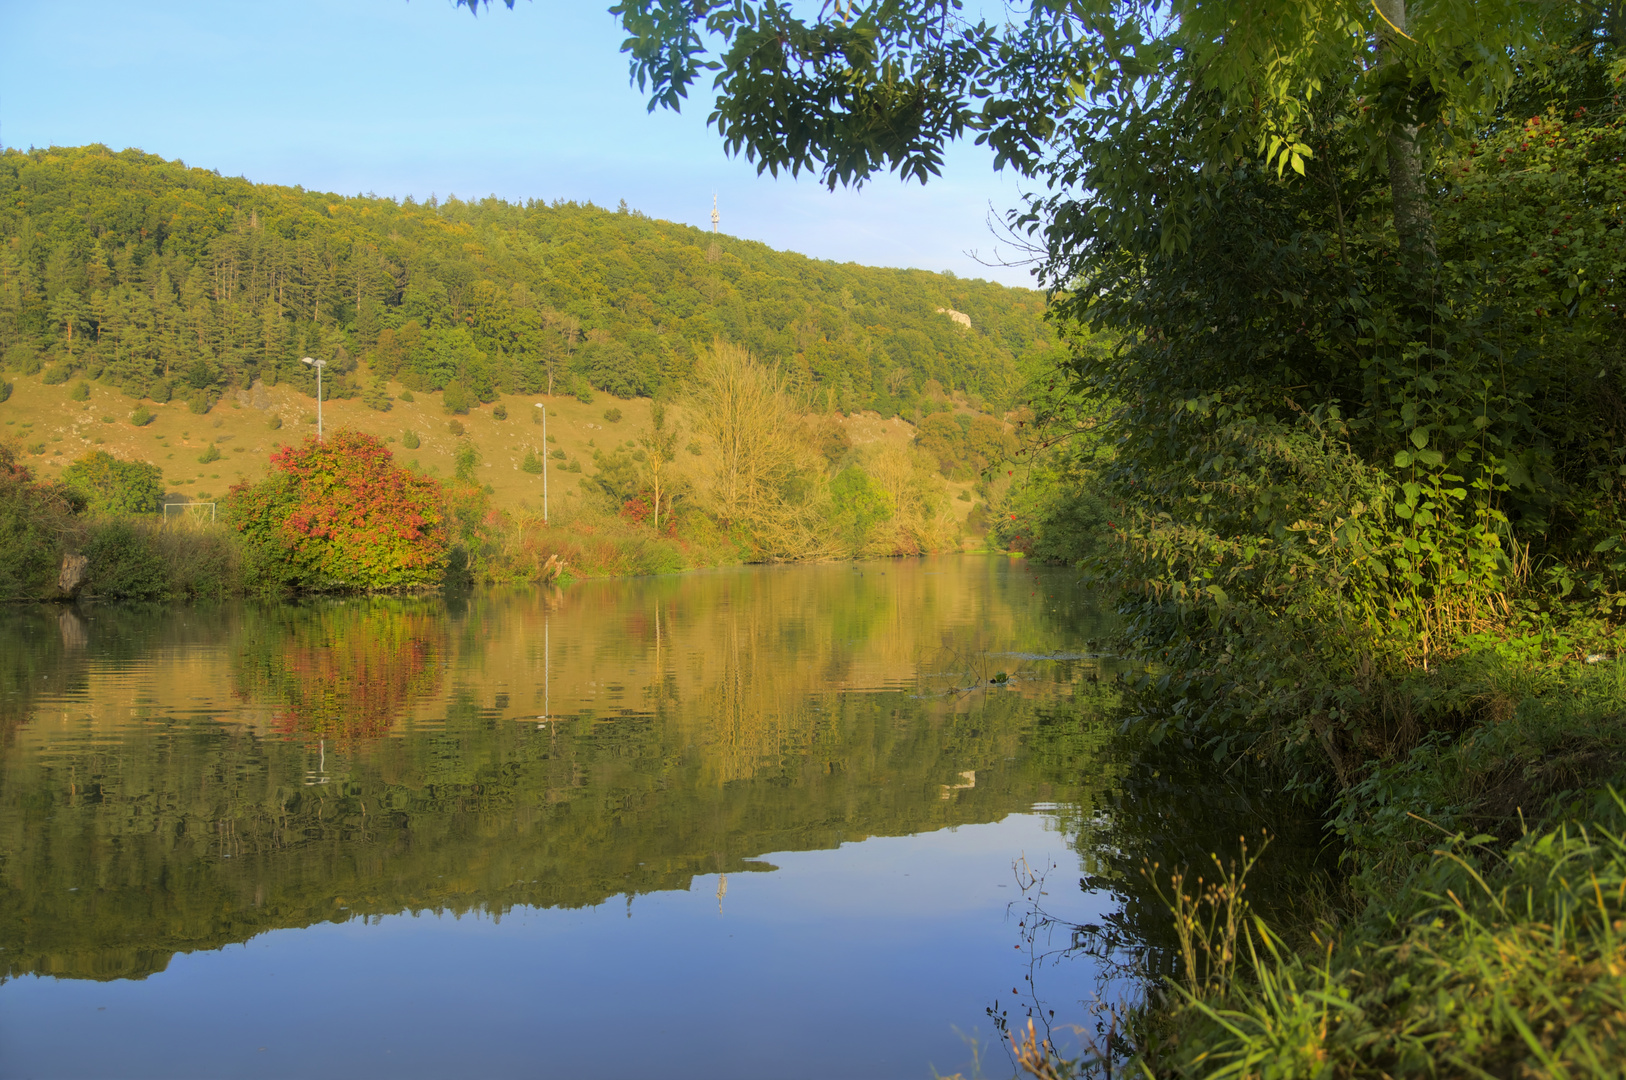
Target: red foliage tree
[[340, 514]]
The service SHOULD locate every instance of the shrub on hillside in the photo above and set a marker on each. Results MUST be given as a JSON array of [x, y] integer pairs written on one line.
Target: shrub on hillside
[[964, 445], [142, 416], [114, 486], [56, 375], [5, 390], [23, 358], [456, 398], [80, 392], [378, 397], [467, 459], [340, 515]]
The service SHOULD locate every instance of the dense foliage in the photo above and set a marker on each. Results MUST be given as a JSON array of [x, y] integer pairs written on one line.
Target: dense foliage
[[340, 514], [38, 521], [112, 485], [175, 281]]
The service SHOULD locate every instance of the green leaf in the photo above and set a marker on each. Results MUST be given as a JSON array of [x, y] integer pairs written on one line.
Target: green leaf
[[1430, 457], [1607, 545], [1402, 460], [1419, 437]]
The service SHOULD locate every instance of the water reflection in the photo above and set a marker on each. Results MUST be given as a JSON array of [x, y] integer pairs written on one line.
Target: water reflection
[[181, 780]]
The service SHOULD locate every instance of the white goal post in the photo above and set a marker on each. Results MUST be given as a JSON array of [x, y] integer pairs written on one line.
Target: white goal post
[[195, 508]]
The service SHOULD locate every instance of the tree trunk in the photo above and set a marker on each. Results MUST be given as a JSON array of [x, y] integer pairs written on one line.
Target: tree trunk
[[1414, 221]]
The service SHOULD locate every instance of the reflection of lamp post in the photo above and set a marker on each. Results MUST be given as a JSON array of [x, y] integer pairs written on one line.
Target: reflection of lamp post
[[318, 365], [544, 407]]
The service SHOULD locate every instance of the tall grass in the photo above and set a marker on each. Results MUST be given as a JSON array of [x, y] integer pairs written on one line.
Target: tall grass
[[151, 559], [586, 542]]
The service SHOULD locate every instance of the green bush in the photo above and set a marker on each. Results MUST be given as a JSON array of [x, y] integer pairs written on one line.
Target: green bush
[[377, 398], [406, 395], [23, 358], [532, 464], [142, 416], [153, 559], [612, 415], [124, 563], [37, 521], [56, 375], [210, 455], [409, 439], [467, 458], [199, 402], [80, 392], [5, 390], [275, 423], [499, 411], [456, 398], [858, 505], [114, 486]]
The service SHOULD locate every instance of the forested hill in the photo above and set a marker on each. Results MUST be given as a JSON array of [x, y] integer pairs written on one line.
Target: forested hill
[[168, 280]]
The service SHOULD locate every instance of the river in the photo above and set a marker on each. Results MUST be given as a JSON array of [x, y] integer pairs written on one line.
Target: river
[[749, 822]]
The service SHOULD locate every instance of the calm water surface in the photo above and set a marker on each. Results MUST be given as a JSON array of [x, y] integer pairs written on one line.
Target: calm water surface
[[731, 824]]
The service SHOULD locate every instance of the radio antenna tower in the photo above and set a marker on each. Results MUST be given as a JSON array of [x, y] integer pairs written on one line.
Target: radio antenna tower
[[715, 216]]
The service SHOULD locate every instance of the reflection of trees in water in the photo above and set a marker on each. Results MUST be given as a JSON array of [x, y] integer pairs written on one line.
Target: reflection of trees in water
[[38, 650], [346, 670], [1146, 815], [731, 744], [474, 814]]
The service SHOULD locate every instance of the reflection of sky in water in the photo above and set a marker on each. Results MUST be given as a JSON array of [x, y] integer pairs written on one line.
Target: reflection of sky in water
[[857, 962]]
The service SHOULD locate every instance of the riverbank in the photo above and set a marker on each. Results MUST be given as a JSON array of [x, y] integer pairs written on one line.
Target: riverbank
[[1475, 920], [1480, 927]]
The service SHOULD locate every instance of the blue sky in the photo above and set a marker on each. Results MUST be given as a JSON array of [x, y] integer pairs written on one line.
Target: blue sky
[[415, 97]]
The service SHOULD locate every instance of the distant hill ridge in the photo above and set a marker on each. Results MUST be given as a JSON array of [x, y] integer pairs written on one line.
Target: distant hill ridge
[[165, 280]]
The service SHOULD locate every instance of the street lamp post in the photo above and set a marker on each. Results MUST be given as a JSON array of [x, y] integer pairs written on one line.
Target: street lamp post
[[544, 407], [318, 365]]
